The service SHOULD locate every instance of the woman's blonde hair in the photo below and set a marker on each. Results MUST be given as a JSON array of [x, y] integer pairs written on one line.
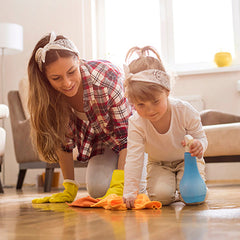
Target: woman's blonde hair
[[49, 113], [142, 91]]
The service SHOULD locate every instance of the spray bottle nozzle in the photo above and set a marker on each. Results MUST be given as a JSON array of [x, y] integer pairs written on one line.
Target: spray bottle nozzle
[[188, 141]]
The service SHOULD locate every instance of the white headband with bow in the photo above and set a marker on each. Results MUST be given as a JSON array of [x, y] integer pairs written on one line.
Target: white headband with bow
[[61, 44], [150, 75]]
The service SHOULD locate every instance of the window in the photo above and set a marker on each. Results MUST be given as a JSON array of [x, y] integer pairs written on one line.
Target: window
[[130, 23], [186, 33], [202, 28]]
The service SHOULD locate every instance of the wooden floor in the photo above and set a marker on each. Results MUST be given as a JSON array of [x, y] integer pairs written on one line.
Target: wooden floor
[[218, 218]]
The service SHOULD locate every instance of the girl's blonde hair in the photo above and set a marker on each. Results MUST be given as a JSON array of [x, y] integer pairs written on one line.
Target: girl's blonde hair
[[142, 91], [49, 113]]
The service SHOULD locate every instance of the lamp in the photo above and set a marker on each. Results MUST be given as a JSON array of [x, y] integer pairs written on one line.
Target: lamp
[[11, 42]]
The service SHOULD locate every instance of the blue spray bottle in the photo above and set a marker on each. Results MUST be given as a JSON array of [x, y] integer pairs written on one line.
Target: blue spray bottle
[[192, 187]]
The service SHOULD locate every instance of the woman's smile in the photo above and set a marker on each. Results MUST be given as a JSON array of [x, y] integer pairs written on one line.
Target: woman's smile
[[69, 89]]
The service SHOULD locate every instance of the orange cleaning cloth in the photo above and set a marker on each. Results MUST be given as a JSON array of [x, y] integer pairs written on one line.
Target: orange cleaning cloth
[[83, 202], [143, 201], [114, 202], [111, 202]]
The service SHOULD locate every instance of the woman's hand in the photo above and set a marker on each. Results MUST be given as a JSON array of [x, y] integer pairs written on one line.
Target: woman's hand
[[68, 195], [196, 148]]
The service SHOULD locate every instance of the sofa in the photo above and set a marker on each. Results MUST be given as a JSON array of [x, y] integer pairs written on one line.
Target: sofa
[[223, 133]]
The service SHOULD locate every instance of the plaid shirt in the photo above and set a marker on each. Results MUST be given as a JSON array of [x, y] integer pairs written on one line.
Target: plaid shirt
[[107, 111]]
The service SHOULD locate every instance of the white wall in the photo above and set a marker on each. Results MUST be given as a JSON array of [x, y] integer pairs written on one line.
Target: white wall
[[66, 17], [218, 90]]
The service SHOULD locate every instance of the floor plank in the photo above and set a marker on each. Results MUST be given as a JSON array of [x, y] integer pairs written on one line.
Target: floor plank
[[218, 218]]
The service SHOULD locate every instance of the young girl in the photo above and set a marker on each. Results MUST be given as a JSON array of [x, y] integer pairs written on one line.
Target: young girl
[[74, 102], [157, 127]]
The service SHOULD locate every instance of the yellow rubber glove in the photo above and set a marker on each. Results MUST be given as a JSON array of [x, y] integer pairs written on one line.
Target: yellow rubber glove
[[116, 184], [68, 195]]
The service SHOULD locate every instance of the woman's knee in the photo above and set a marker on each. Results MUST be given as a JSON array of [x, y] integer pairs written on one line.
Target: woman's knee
[[99, 173], [97, 187]]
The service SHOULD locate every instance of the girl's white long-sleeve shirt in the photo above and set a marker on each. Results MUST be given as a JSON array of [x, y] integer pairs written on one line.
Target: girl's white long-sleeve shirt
[[143, 137]]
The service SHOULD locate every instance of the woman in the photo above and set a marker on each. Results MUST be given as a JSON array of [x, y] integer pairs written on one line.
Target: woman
[[73, 102]]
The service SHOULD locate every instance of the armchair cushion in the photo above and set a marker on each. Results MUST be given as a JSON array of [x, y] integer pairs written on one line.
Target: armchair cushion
[[223, 139]]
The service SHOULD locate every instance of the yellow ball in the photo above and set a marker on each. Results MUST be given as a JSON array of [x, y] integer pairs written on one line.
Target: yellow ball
[[223, 59]]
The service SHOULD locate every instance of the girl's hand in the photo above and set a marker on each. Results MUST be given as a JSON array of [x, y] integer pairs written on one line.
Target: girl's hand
[[196, 148], [129, 202]]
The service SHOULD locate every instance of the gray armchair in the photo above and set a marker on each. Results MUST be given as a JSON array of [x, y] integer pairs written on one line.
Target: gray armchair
[[26, 156]]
